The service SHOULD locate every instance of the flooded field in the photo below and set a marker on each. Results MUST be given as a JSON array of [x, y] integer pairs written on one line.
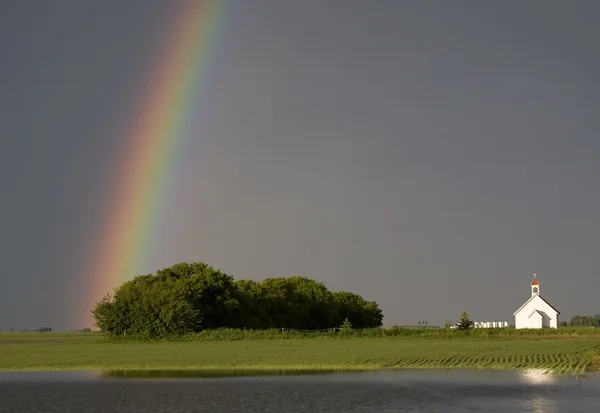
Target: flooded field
[[222, 391]]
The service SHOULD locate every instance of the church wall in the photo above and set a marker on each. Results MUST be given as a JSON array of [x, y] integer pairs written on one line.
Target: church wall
[[522, 319], [535, 321]]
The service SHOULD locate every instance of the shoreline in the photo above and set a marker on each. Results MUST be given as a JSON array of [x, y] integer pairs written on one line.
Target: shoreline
[[306, 369]]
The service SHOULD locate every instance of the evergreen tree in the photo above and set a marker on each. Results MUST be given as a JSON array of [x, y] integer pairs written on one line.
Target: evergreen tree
[[346, 325], [464, 323]]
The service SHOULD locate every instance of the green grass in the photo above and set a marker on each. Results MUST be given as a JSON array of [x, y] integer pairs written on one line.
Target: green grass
[[560, 354], [225, 334]]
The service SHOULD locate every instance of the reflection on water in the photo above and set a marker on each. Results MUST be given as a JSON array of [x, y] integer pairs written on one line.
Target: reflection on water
[[540, 401], [538, 376], [52, 376], [540, 404], [197, 374]]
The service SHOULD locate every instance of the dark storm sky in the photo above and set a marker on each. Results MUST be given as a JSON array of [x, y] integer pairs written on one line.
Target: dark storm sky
[[428, 155]]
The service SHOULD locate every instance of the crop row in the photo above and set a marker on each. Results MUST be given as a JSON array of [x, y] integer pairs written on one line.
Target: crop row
[[557, 363]]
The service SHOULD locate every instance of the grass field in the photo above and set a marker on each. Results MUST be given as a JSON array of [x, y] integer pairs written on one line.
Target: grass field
[[91, 351]]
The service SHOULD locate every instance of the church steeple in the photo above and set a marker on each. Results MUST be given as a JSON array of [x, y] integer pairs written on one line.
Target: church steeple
[[535, 286]]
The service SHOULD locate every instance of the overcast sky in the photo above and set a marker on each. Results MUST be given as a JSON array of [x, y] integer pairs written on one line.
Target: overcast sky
[[428, 155]]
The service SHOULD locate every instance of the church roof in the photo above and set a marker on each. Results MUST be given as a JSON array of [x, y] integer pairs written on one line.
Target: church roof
[[535, 282], [538, 312], [531, 298]]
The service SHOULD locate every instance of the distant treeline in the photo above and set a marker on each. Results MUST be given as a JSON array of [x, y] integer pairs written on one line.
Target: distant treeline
[[585, 321], [193, 297], [38, 330]]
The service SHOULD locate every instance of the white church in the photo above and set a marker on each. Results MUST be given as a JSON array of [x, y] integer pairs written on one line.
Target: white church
[[536, 312]]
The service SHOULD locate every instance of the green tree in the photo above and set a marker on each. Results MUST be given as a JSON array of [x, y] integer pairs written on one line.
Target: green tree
[[464, 323], [191, 297], [585, 321], [252, 309], [362, 313], [298, 303], [346, 325]]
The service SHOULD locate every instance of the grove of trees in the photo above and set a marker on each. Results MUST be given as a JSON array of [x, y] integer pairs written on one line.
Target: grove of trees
[[191, 297], [585, 321]]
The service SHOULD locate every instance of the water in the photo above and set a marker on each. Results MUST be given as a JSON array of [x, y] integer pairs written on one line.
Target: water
[[404, 391]]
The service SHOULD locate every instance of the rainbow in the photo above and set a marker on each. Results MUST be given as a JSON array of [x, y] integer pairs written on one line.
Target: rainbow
[[152, 145]]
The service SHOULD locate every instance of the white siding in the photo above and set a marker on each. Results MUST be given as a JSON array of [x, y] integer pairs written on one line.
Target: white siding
[[535, 320], [527, 318]]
